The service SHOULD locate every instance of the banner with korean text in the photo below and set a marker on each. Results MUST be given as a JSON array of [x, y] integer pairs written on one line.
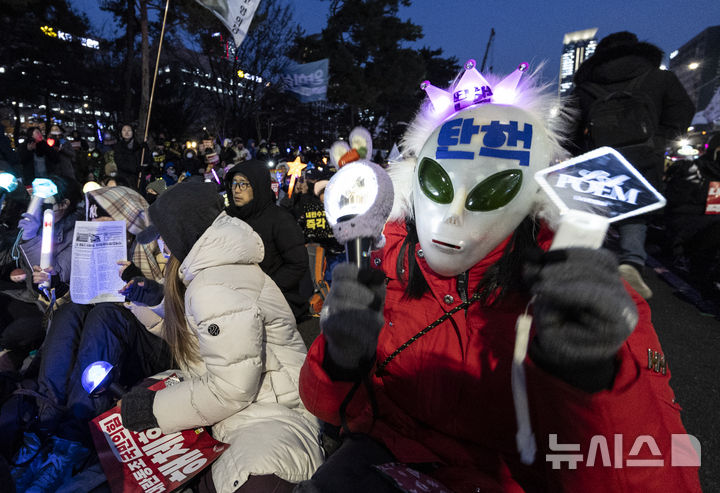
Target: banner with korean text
[[149, 461], [308, 81], [235, 14]]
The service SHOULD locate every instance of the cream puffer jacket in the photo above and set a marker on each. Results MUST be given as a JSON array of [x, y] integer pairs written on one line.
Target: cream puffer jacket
[[246, 386]]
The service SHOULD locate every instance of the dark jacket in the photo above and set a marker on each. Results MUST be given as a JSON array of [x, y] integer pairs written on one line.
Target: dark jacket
[[687, 184], [613, 68], [9, 160], [286, 258], [127, 159]]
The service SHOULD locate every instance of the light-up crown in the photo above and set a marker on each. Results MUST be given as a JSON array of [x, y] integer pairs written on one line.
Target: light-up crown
[[472, 89]]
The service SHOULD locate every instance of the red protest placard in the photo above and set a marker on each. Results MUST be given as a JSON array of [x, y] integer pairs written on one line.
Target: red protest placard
[[149, 461], [713, 198]]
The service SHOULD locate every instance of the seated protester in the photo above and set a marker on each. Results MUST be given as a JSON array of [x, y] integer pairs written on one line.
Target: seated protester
[[425, 384], [693, 221], [154, 188], [252, 199], [128, 337], [22, 305], [235, 339], [170, 174]]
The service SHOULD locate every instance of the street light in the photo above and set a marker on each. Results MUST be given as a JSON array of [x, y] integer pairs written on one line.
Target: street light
[[693, 65]]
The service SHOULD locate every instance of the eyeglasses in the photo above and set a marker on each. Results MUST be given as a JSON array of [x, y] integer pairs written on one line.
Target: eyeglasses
[[242, 185]]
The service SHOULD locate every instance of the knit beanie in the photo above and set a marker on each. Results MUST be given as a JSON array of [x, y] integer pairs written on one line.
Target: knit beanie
[[181, 215]]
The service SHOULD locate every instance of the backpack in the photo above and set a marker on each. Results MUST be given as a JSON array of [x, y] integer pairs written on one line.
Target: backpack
[[620, 118]]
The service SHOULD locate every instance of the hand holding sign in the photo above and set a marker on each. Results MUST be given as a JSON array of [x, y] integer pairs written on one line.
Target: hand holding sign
[[582, 312], [593, 190]]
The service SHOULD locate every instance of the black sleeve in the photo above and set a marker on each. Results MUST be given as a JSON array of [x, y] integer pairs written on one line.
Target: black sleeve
[[290, 243]]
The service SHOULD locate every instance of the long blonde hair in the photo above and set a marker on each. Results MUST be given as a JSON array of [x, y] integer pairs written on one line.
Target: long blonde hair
[[182, 342]]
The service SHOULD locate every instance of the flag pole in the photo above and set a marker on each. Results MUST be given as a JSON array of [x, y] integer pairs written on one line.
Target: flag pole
[[152, 91]]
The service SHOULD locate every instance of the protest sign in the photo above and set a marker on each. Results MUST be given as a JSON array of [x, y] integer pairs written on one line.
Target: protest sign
[[150, 461]]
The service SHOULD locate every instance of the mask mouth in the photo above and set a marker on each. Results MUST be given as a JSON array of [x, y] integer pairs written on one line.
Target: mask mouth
[[443, 245]]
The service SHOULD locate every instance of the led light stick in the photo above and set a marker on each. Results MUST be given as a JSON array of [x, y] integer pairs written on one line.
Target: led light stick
[[215, 175], [8, 184], [358, 201], [295, 171], [43, 188], [46, 248], [97, 378]]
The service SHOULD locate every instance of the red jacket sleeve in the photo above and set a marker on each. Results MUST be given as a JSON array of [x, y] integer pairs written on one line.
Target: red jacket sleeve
[[616, 432], [323, 396]]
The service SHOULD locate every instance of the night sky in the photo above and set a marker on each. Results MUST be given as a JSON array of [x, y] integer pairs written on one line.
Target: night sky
[[526, 30]]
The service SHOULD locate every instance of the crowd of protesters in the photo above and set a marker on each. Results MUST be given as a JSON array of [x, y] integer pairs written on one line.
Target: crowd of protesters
[[220, 270]]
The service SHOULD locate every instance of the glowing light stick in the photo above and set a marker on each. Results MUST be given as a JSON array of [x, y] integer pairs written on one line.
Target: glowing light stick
[[295, 171], [90, 186], [8, 182], [43, 188], [215, 175], [46, 248], [358, 201], [96, 378]]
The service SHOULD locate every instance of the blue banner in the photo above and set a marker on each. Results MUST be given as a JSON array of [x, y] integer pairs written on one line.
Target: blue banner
[[308, 81]]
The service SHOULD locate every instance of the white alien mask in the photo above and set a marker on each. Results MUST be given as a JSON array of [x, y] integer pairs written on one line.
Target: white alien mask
[[474, 184]]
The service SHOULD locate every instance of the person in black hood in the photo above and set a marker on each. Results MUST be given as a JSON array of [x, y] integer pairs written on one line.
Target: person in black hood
[[622, 63], [252, 199]]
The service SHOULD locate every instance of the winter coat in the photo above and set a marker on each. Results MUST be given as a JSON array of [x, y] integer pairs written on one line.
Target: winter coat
[[447, 399], [613, 68], [687, 184], [9, 159], [246, 385], [127, 159], [286, 258], [62, 247], [65, 160]]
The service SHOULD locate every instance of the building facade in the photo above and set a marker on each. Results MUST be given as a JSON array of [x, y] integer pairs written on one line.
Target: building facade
[[578, 46], [697, 65]]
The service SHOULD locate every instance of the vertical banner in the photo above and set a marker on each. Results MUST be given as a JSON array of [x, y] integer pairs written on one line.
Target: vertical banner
[[308, 81], [235, 14]]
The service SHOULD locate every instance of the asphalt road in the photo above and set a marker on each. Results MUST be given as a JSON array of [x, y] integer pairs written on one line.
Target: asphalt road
[[691, 343]]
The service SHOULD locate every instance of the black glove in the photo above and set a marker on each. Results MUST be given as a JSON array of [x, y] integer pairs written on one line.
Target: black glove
[[136, 409], [143, 291], [582, 315], [130, 272], [351, 319]]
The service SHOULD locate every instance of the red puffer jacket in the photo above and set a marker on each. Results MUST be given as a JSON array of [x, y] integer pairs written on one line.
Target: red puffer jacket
[[447, 397]]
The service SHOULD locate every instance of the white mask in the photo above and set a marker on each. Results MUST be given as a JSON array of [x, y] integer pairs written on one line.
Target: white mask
[[467, 216]]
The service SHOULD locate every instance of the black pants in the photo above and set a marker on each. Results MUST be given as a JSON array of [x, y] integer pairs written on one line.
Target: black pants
[[349, 469], [78, 336]]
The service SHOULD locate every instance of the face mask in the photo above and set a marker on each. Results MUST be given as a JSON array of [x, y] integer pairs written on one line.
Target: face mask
[[474, 184]]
